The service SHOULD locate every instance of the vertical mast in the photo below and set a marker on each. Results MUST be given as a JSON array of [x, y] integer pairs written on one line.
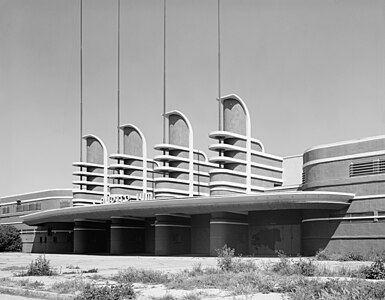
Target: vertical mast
[[81, 80], [219, 68], [118, 91], [164, 71]]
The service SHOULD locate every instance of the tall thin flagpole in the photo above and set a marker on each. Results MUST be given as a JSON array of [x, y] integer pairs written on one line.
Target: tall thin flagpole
[[118, 91], [81, 80], [219, 68], [164, 71]]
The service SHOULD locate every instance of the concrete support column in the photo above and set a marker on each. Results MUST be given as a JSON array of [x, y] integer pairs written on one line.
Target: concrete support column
[[90, 236], [228, 229], [200, 234], [274, 230], [127, 235], [172, 235], [150, 235]]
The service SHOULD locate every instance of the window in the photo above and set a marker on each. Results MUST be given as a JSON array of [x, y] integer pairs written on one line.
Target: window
[[364, 168]]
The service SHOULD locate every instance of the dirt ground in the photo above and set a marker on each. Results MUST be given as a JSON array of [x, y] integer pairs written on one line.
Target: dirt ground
[[11, 263]]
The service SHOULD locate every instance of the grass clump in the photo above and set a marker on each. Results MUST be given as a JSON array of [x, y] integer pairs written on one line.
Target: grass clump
[[106, 292], [69, 286], [132, 275]]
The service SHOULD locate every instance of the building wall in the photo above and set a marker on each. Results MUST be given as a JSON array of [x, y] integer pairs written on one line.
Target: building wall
[[361, 226]]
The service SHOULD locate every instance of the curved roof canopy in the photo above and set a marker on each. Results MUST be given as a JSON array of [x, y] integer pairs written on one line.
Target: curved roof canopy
[[196, 205]]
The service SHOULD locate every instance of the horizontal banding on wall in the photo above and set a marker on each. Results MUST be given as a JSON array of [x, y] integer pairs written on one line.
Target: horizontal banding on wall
[[344, 157], [128, 218], [172, 225], [174, 215], [89, 229], [343, 219], [229, 223], [126, 227]]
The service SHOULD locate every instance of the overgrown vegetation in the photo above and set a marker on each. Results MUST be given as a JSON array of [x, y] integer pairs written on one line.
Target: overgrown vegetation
[[339, 290], [9, 238], [106, 292], [294, 277]]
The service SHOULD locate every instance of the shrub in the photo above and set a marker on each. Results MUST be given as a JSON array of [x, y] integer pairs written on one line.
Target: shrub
[[375, 271], [39, 267], [225, 258], [9, 238], [105, 292]]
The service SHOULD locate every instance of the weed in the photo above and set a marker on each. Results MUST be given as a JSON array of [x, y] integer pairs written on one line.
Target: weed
[[286, 266], [94, 270], [69, 286], [352, 256], [132, 275], [106, 292], [30, 284], [225, 258], [39, 267], [375, 271], [72, 267]]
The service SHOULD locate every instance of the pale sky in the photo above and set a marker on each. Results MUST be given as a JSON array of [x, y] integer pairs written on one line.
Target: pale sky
[[310, 71]]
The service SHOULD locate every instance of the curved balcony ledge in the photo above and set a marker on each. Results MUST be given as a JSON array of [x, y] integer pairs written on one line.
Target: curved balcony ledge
[[128, 177], [180, 170], [231, 160], [243, 174], [167, 158], [87, 164], [231, 135], [127, 167], [168, 147], [84, 182], [214, 184], [126, 156], [84, 173], [173, 192], [228, 147], [129, 187], [182, 181]]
